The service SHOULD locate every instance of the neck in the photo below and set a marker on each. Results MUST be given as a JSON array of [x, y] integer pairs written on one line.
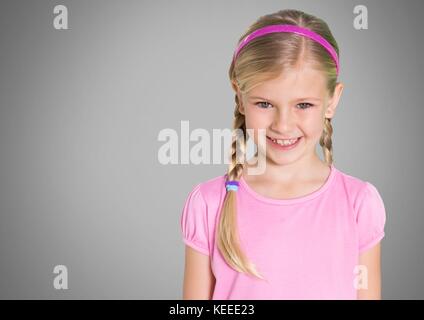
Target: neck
[[300, 170]]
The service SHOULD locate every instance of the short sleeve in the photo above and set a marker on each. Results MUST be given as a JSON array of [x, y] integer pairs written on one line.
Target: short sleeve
[[193, 221], [371, 218]]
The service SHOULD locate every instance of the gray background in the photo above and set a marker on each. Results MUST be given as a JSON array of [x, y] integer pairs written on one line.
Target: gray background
[[81, 109]]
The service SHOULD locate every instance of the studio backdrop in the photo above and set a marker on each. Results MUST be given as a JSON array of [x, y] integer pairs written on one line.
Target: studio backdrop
[[89, 202]]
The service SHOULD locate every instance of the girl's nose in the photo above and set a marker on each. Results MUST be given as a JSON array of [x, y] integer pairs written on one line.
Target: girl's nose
[[284, 120]]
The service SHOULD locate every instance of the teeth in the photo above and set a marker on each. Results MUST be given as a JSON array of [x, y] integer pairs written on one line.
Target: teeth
[[284, 142]]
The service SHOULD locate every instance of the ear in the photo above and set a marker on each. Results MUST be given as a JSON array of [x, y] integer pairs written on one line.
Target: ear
[[333, 102]]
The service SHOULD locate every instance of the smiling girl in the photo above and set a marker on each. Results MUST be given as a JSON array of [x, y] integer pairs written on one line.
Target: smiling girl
[[301, 229]]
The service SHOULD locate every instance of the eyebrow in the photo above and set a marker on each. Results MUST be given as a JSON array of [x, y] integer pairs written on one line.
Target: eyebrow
[[300, 99]]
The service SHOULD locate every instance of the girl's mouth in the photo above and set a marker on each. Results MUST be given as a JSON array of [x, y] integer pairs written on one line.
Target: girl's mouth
[[284, 144]]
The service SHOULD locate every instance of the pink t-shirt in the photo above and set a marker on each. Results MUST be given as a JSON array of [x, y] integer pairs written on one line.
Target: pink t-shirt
[[306, 247]]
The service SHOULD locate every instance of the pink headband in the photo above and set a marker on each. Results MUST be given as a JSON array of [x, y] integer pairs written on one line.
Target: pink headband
[[289, 28]]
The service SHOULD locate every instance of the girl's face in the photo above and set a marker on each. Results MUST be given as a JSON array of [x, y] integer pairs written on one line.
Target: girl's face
[[292, 106]]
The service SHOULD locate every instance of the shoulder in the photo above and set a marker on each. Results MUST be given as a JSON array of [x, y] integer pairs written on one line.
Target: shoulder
[[212, 189], [199, 212], [358, 190], [209, 191], [353, 185], [369, 210]]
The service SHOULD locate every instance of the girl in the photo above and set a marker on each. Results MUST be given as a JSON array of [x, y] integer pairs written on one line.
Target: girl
[[302, 229]]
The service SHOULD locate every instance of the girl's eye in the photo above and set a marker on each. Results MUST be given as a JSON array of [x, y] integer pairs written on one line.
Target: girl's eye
[[261, 104], [304, 105]]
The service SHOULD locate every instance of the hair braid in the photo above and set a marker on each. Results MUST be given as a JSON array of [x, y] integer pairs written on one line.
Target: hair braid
[[228, 236], [326, 142]]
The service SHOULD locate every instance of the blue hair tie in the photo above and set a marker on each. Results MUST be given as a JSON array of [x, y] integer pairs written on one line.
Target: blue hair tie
[[232, 185]]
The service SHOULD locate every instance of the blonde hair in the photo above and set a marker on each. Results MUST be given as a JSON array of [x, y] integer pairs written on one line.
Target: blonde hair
[[263, 59]]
